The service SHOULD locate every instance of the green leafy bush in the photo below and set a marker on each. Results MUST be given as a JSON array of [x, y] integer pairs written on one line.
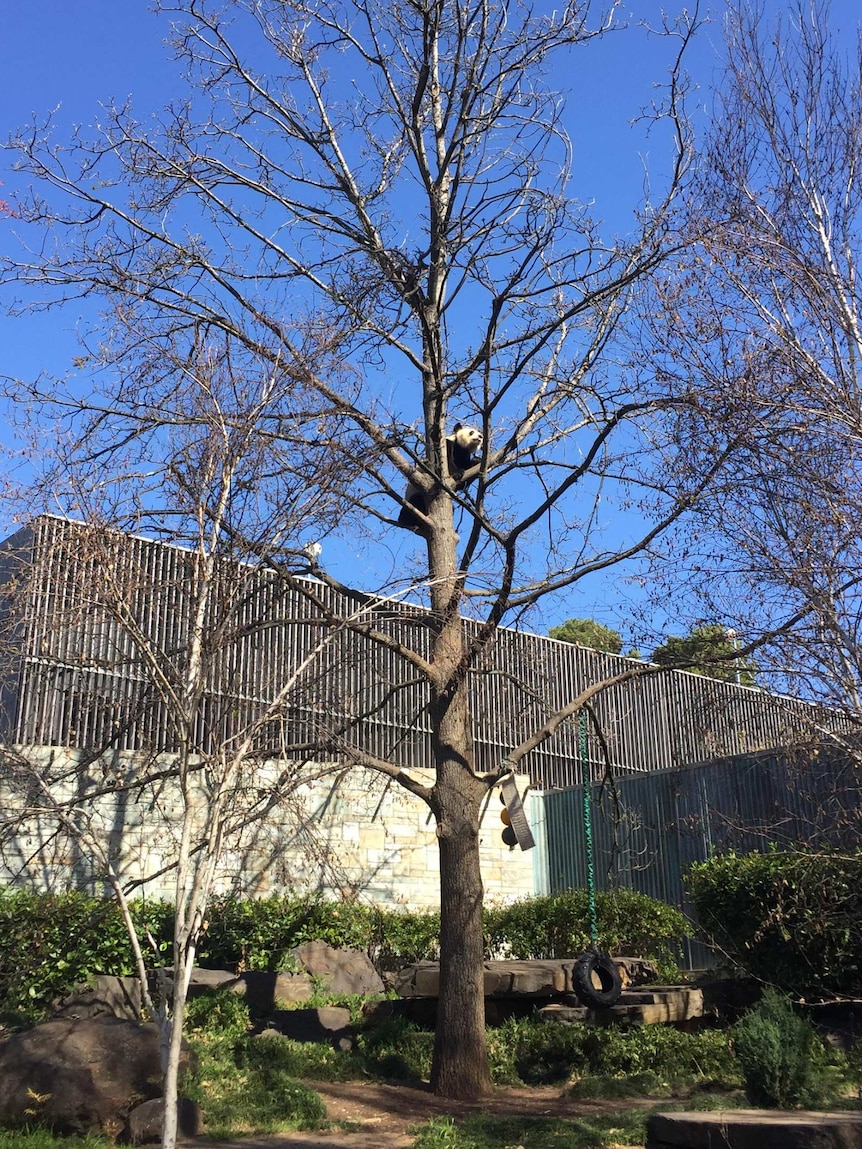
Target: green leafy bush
[[535, 1053], [396, 1048], [217, 1013], [782, 1058], [243, 1086], [703, 1057], [557, 926], [400, 938], [532, 1052], [317, 1061], [49, 942], [792, 919], [259, 933]]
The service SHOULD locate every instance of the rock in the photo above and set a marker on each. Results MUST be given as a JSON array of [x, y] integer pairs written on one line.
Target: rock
[[264, 990], [547, 978], [145, 1120], [636, 971], [340, 971], [635, 1007], [203, 980], [328, 1024], [79, 1075], [104, 994], [754, 1129]]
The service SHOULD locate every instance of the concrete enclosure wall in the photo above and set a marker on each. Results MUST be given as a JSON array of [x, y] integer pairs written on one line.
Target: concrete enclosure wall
[[343, 833]]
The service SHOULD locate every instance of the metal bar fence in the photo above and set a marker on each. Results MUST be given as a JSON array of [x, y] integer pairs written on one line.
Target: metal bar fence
[[97, 627], [649, 829]]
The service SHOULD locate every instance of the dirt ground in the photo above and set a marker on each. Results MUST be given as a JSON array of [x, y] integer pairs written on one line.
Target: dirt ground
[[384, 1113]]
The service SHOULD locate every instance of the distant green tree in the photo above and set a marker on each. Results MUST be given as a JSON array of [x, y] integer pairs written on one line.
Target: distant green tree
[[708, 650], [588, 632]]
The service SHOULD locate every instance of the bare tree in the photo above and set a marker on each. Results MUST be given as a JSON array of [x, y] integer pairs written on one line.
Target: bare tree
[[768, 314], [175, 649], [374, 201]]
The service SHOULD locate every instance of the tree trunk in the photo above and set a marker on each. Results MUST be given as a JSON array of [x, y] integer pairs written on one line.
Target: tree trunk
[[460, 1066]]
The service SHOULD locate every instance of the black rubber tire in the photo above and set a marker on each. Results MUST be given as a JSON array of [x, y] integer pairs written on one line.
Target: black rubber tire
[[596, 980]]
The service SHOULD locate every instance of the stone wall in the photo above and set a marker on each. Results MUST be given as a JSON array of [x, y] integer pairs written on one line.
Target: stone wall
[[341, 833]]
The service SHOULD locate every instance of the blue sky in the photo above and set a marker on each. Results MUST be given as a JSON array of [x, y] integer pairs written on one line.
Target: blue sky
[[72, 56]]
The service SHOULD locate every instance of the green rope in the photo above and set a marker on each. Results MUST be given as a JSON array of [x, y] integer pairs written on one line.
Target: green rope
[[588, 830]]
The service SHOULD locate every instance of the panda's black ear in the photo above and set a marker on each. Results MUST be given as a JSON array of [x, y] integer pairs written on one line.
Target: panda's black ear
[[457, 428]]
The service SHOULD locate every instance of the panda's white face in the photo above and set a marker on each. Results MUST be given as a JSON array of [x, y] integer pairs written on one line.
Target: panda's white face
[[468, 438]]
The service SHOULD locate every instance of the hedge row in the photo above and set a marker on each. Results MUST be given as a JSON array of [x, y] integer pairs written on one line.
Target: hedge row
[[792, 919], [49, 942]]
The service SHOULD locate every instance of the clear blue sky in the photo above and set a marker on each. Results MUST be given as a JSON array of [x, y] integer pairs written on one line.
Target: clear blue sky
[[73, 55]]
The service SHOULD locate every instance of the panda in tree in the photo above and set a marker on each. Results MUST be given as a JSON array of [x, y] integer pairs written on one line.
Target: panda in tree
[[463, 444]]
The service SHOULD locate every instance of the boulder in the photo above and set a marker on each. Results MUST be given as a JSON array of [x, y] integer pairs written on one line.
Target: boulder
[[264, 990], [754, 1129], [145, 1120], [261, 988], [329, 1024], [114, 996], [539, 978], [79, 1075], [204, 980], [340, 971]]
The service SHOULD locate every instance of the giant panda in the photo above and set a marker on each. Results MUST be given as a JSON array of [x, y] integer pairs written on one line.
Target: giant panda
[[463, 444]]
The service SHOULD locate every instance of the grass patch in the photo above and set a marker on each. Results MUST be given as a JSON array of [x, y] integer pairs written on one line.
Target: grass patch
[[485, 1132], [314, 1060], [396, 1049], [45, 1139], [623, 1126], [248, 1086]]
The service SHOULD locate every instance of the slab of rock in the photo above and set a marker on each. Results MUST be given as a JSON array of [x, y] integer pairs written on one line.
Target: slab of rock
[[145, 1120], [754, 1129], [79, 1075], [203, 980], [346, 971], [105, 993], [264, 989], [636, 1007], [330, 1024], [507, 978], [339, 970], [636, 971]]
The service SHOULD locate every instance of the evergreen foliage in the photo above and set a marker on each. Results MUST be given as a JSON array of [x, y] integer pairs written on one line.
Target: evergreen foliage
[[708, 650], [51, 942], [587, 632], [790, 918], [781, 1056]]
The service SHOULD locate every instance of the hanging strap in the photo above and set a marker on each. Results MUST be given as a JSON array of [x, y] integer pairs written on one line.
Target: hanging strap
[[588, 830]]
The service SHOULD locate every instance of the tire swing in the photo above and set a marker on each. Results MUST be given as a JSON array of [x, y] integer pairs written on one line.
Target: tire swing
[[595, 978]]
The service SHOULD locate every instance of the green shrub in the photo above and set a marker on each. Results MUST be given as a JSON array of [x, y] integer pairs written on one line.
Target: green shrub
[[243, 1087], [557, 926], [647, 1084], [530, 1052], [782, 1058], [36, 1138], [674, 1056], [49, 942], [396, 1048], [400, 938], [317, 1061], [533, 1052], [217, 1013], [259, 933], [791, 919]]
